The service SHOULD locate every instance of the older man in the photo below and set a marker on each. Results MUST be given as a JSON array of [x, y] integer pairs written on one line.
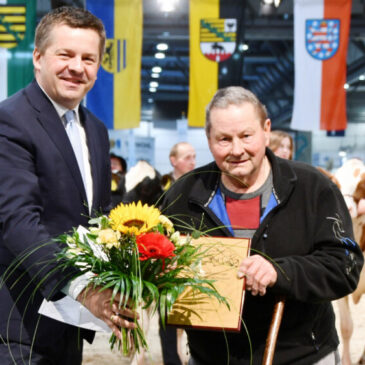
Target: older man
[[302, 239], [182, 158], [54, 173]]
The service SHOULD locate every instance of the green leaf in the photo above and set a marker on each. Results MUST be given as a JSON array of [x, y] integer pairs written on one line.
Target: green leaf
[[151, 293]]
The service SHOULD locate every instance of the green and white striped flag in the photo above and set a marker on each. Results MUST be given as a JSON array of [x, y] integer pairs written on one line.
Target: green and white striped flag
[[17, 25]]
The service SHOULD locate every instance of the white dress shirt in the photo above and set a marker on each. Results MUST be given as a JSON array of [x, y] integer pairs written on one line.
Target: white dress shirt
[[61, 110], [75, 286]]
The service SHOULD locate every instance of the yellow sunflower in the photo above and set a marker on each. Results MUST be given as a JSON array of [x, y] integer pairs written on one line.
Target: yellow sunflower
[[134, 219]]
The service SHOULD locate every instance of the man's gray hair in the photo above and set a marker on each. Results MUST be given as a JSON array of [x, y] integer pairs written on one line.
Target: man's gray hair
[[234, 95]]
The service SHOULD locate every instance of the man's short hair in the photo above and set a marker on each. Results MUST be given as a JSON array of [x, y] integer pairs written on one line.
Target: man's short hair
[[234, 95], [175, 148], [72, 17]]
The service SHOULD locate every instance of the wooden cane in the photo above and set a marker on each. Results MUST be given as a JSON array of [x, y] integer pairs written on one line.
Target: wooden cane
[[273, 332]]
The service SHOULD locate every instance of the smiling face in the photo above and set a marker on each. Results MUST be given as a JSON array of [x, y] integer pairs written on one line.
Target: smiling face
[[237, 140], [67, 69]]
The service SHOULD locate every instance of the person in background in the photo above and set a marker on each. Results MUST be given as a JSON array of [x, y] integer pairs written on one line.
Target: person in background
[[54, 174], [182, 158], [302, 241], [118, 164], [118, 167], [281, 143]]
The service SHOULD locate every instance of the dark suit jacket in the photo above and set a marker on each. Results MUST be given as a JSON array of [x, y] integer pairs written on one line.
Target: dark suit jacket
[[41, 196]]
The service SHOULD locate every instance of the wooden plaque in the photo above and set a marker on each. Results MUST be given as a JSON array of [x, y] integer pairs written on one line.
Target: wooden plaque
[[223, 256]]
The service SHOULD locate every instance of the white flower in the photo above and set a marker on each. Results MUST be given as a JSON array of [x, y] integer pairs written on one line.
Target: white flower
[[70, 241], [98, 251], [74, 251], [179, 240], [200, 269], [167, 224], [175, 238], [109, 238]]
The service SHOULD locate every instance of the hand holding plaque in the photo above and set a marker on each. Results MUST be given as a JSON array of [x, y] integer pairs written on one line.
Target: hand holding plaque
[[220, 263]]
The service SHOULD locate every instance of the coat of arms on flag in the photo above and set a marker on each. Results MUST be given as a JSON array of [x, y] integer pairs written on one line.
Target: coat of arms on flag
[[218, 38], [12, 25], [322, 37], [115, 56]]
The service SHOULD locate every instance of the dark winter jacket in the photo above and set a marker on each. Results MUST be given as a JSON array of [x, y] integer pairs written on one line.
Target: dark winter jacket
[[309, 235]]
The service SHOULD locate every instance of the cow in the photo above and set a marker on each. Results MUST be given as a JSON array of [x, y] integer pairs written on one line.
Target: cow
[[143, 182], [348, 176], [351, 181]]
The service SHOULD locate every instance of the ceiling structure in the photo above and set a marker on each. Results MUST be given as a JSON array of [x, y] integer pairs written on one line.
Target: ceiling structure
[[263, 61]]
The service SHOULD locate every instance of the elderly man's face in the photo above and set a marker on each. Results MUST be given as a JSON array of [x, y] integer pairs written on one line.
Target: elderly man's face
[[237, 141]]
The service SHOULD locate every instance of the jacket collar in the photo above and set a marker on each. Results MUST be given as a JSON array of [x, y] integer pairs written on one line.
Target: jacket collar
[[52, 124], [205, 187], [284, 176]]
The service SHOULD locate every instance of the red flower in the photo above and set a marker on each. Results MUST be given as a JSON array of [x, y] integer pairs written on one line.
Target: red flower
[[154, 245]]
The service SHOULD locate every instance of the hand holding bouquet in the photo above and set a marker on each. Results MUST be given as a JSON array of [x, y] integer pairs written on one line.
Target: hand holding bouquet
[[136, 253]]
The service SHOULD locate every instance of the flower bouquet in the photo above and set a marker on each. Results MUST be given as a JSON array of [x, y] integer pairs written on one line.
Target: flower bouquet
[[137, 253]]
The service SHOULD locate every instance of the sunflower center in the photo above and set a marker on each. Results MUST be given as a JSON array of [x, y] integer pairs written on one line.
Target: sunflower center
[[134, 223]]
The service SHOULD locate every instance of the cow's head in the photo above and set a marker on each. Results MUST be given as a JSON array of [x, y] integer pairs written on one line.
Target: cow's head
[[143, 182]]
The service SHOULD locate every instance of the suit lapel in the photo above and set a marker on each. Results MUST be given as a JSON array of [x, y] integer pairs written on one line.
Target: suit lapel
[[51, 122], [92, 144]]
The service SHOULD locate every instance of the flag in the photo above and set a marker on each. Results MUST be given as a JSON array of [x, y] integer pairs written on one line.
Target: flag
[[321, 32], [116, 95], [17, 26], [213, 28]]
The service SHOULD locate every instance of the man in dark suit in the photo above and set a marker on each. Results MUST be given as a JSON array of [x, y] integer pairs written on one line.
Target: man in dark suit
[[49, 185]]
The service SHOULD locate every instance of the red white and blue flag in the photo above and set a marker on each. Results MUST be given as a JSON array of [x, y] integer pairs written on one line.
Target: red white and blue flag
[[321, 31]]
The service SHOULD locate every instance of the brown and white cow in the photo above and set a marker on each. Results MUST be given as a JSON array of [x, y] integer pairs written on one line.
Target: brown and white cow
[[351, 180], [348, 177]]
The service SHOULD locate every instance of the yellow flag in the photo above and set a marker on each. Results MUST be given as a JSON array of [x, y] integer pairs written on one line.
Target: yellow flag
[[116, 95], [203, 79], [127, 84]]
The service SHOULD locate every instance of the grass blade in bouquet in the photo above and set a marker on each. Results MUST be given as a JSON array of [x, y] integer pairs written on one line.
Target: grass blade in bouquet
[[136, 252]]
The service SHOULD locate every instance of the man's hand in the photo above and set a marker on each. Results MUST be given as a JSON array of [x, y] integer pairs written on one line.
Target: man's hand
[[99, 304], [259, 274]]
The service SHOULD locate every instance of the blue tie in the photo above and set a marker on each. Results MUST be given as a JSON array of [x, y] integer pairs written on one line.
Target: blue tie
[[74, 137]]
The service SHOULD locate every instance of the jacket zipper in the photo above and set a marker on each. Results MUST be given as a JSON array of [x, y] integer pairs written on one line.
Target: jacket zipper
[[314, 340]]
